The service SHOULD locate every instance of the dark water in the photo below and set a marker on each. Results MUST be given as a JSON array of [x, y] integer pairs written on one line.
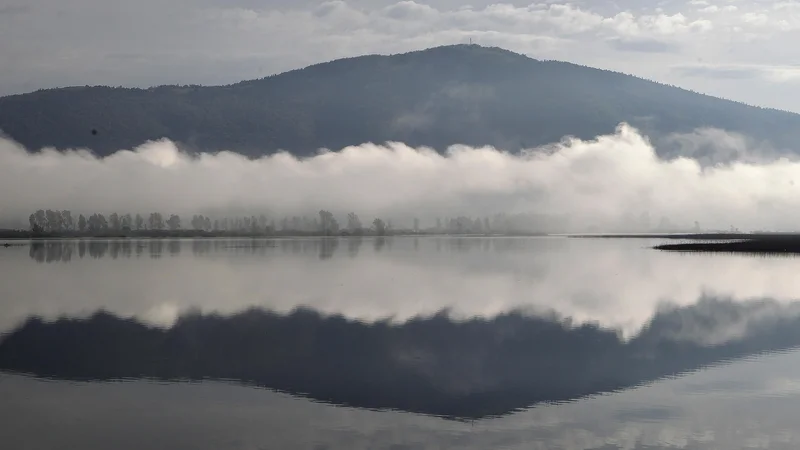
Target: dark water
[[395, 343]]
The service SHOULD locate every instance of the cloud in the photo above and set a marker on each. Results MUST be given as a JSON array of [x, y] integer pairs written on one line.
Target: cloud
[[726, 72], [595, 183], [774, 74], [213, 42], [713, 147], [643, 45], [410, 10]]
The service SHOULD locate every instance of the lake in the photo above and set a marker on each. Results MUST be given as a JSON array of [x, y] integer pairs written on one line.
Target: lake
[[399, 342]]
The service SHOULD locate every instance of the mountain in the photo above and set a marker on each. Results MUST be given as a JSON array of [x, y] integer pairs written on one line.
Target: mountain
[[437, 97]]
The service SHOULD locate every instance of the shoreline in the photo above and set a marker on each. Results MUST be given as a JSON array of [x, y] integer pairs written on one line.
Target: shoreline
[[762, 245], [710, 236]]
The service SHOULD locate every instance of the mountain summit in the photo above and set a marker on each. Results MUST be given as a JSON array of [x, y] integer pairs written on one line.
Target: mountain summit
[[462, 94]]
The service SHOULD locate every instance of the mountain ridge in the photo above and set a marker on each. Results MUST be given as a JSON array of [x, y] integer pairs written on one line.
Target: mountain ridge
[[460, 94]]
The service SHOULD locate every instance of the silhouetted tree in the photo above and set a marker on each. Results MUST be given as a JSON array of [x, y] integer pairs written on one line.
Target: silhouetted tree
[[174, 222], [53, 219], [328, 224], [197, 222], [127, 222], [35, 227], [254, 225], [156, 221], [354, 223], [379, 226], [97, 223], [67, 220], [114, 222], [138, 222]]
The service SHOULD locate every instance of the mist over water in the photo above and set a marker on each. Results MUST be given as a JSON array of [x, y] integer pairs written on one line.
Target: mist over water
[[616, 182], [616, 284]]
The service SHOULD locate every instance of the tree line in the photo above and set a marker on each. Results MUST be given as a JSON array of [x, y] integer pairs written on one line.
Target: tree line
[[65, 222]]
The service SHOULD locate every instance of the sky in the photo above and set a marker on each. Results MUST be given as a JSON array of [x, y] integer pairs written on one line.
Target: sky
[[742, 50]]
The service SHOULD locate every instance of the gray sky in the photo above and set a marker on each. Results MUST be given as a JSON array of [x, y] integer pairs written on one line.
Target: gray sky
[[742, 50]]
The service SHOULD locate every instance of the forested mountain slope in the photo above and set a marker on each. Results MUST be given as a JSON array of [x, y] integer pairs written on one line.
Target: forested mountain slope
[[436, 97]]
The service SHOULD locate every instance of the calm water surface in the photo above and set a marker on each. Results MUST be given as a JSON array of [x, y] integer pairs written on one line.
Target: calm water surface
[[395, 343]]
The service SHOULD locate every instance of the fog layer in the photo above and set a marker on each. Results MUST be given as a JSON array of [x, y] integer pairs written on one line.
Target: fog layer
[[613, 183]]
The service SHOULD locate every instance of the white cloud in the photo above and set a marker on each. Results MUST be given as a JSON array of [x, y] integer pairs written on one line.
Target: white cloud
[[755, 18], [409, 10], [773, 74], [595, 183]]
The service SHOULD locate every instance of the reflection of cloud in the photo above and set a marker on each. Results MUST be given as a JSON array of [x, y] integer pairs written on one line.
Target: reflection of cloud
[[622, 282], [714, 321], [648, 414], [164, 314]]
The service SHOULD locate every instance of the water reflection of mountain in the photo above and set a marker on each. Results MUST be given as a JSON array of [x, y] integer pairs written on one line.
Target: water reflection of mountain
[[434, 365], [45, 251]]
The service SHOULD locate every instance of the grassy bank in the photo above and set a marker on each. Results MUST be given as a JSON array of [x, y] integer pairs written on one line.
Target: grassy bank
[[788, 243]]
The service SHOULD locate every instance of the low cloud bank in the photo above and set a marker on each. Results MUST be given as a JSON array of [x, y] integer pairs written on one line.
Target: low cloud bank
[[615, 182]]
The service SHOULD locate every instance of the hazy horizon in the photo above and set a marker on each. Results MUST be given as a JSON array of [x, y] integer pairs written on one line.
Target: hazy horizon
[[716, 178]]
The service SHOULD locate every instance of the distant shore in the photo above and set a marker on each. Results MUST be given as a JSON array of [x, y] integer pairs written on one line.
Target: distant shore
[[7, 234]]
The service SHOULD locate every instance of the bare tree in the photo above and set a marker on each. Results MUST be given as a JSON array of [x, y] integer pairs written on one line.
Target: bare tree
[[353, 223], [67, 220], [41, 219]]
